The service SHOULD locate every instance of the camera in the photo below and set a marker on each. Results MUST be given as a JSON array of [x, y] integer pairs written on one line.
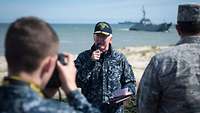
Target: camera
[[54, 81]]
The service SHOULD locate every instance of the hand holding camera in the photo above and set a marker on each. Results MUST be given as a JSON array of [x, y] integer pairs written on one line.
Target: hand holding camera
[[54, 81], [64, 74], [67, 74]]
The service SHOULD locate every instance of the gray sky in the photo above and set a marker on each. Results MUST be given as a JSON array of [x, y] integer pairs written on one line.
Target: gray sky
[[91, 11]]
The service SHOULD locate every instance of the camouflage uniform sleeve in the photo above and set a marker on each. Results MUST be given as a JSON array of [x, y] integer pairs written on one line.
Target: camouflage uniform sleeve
[[128, 78], [84, 67], [149, 89], [79, 102]]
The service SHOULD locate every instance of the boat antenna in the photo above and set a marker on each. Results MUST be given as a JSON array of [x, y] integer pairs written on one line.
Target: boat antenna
[[143, 11]]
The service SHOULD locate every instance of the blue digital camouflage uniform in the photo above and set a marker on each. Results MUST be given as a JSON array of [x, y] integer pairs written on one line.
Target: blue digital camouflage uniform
[[171, 81], [98, 79], [19, 97]]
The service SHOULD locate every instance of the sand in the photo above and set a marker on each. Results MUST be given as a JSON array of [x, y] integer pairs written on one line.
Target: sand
[[139, 57]]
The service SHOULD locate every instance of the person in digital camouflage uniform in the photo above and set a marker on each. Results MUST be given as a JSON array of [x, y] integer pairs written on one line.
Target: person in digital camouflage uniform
[[102, 70], [171, 81], [31, 47]]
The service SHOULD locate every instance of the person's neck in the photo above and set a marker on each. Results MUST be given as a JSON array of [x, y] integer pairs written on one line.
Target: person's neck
[[27, 77]]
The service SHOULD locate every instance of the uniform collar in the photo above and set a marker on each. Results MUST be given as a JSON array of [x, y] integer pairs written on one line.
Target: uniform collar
[[16, 80], [189, 39]]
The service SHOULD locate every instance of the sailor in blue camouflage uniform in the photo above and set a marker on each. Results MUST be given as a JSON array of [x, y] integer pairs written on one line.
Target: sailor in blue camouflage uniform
[[102, 70], [171, 81], [31, 47]]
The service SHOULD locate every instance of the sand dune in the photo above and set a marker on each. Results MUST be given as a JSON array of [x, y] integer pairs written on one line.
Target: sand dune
[[139, 57]]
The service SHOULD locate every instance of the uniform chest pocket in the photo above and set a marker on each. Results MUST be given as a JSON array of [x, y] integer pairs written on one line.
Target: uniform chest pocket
[[114, 70]]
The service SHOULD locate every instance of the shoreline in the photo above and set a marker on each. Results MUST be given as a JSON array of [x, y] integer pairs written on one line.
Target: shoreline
[[137, 56]]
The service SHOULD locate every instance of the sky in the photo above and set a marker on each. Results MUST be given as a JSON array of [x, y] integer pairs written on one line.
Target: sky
[[91, 11]]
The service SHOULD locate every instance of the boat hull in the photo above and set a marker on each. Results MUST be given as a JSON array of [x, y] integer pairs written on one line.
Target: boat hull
[[150, 27]]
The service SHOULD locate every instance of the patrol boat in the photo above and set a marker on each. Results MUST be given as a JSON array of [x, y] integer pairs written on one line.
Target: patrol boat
[[146, 25]]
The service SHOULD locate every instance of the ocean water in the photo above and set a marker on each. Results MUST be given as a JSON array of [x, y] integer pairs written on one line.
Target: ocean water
[[76, 38]]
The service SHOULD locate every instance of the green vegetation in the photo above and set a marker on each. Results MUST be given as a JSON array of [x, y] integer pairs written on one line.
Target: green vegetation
[[130, 105]]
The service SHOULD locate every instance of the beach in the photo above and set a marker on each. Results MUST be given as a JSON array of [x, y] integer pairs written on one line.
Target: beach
[[137, 56]]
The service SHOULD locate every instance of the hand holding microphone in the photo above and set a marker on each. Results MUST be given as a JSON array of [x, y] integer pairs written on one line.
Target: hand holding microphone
[[96, 54]]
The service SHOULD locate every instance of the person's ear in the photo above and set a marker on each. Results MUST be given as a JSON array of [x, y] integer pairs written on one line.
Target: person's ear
[[94, 37], [47, 69], [110, 40], [48, 66]]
